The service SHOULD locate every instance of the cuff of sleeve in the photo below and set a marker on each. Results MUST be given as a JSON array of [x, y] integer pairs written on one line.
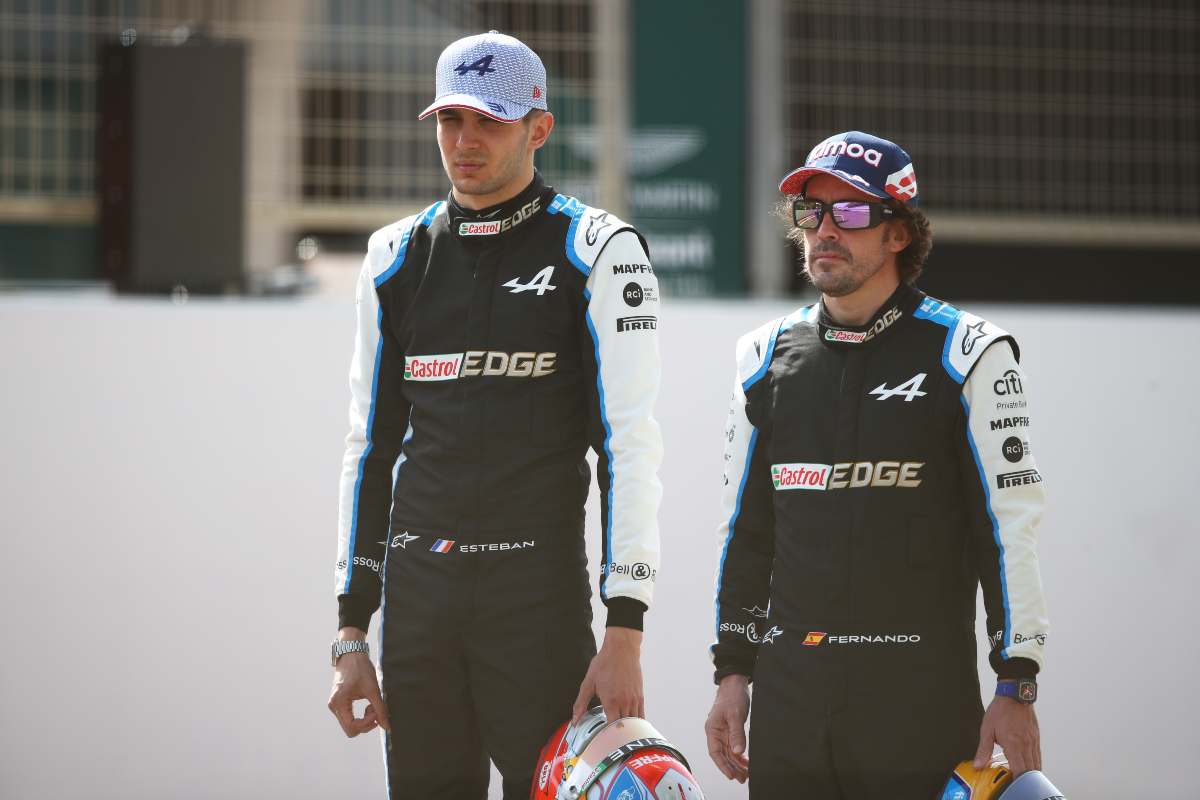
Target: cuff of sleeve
[[1015, 668], [354, 612], [625, 612], [725, 672]]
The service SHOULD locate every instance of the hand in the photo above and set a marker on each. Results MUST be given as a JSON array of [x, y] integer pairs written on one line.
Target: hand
[[726, 727], [354, 679], [1014, 727], [615, 676]]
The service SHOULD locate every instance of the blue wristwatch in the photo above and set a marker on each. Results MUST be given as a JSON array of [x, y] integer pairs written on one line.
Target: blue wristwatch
[[1023, 690]]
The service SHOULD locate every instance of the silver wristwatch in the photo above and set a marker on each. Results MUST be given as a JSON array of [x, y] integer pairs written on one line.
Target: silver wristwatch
[[340, 648]]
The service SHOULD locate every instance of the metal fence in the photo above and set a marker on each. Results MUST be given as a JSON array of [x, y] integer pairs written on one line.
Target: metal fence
[[353, 153], [1082, 111]]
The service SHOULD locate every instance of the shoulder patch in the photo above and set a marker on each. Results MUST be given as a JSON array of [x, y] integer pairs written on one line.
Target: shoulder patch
[[967, 336], [590, 230], [756, 348], [389, 245]]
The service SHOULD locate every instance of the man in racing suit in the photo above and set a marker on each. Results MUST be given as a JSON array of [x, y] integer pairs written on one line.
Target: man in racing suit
[[877, 470], [500, 333]]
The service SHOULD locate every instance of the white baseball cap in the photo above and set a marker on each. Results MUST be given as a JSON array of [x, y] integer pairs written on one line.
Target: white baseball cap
[[491, 73]]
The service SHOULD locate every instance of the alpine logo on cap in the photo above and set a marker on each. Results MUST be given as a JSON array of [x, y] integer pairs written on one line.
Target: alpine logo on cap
[[481, 66], [902, 184]]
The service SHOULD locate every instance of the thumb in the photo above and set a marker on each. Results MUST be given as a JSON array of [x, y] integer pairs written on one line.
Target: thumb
[[586, 690], [984, 753], [737, 735], [380, 709]]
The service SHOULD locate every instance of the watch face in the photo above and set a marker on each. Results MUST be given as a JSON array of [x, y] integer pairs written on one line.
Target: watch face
[[1028, 691]]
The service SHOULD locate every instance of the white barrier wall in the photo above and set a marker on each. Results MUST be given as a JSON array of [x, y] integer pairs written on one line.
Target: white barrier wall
[[168, 485]]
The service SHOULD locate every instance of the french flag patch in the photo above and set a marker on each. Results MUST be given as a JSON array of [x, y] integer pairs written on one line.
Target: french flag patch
[[442, 546]]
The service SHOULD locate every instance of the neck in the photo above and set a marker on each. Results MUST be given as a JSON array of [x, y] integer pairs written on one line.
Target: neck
[[475, 202], [860, 305]]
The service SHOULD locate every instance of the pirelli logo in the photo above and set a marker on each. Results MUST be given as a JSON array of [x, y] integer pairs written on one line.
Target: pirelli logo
[[637, 324], [1023, 478]]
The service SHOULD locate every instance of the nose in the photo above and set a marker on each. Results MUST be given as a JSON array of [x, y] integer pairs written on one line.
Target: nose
[[468, 137], [828, 230]]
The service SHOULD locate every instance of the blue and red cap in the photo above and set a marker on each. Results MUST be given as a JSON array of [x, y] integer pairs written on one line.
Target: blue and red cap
[[868, 163]]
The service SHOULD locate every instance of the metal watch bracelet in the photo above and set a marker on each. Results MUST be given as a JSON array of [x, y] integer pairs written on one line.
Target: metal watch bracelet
[[340, 648]]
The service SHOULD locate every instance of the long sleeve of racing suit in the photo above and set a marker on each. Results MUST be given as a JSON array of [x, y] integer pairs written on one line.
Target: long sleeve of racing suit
[[622, 319], [378, 422], [1006, 497], [746, 534]]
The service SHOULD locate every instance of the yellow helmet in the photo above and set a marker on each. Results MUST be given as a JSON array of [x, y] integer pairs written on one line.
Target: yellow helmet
[[969, 783], [995, 782]]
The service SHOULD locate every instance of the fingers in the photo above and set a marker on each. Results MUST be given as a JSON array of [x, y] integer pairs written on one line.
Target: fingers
[[987, 740], [726, 742], [344, 713], [378, 710], [715, 737], [586, 690]]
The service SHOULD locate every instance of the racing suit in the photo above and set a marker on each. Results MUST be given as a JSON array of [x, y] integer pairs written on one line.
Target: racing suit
[[874, 477], [493, 347]]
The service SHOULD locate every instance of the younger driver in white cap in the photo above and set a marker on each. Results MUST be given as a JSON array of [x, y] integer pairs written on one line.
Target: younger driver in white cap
[[501, 333]]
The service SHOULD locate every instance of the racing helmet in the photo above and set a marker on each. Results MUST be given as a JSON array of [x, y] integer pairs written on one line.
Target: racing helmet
[[995, 782], [626, 759]]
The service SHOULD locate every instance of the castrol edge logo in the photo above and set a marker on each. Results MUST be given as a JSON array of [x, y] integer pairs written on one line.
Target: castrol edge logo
[[847, 475], [491, 363], [432, 368], [800, 476]]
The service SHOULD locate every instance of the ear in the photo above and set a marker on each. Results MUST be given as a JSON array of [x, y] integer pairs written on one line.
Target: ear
[[898, 236], [541, 130]]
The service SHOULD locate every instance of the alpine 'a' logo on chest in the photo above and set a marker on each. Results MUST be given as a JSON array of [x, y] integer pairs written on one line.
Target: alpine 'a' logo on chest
[[909, 390], [539, 283]]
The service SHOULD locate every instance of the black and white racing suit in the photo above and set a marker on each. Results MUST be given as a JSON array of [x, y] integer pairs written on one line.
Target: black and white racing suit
[[874, 477], [493, 348]]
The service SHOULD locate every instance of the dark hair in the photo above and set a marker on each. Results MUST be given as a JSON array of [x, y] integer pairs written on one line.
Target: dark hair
[[911, 259]]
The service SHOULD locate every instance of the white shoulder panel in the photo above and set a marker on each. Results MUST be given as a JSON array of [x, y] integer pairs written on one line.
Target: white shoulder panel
[[967, 336]]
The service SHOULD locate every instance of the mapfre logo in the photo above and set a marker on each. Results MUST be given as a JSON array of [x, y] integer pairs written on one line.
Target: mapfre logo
[[432, 368]]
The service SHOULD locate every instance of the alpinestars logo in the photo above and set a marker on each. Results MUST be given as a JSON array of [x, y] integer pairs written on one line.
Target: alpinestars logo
[[909, 390], [539, 283], [770, 636], [595, 225], [403, 539], [972, 336]]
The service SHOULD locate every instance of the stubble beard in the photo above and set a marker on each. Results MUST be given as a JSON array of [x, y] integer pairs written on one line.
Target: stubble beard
[[844, 279], [503, 173]]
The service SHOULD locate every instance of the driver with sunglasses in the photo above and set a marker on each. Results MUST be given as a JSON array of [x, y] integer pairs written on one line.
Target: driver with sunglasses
[[878, 469]]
